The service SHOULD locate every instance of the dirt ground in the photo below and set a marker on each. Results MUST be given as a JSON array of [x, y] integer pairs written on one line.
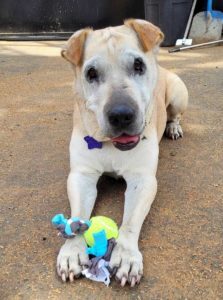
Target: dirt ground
[[181, 239]]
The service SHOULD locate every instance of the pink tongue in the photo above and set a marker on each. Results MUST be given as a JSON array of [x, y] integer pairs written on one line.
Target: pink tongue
[[125, 139]]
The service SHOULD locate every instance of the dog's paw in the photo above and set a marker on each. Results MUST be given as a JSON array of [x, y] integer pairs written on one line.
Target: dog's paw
[[126, 263], [173, 130], [72, 258]]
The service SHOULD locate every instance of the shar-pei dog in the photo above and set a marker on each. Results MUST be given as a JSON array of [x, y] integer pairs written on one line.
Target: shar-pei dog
[[124, 102]]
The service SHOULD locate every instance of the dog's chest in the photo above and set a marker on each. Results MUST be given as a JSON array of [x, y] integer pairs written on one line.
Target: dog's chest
[[108, 159]]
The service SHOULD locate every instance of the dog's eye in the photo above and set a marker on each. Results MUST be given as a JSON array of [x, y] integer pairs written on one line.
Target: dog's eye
[[139, 66], [92, 75]]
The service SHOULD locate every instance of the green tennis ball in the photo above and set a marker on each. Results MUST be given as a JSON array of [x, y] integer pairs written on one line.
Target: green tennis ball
[[97, 224]]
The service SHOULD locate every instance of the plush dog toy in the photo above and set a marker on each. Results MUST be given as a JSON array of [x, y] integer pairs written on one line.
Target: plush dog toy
[[68, 228], [99, 233]]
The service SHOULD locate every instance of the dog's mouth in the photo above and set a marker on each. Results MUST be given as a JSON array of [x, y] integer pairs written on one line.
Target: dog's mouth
[[125, 142]]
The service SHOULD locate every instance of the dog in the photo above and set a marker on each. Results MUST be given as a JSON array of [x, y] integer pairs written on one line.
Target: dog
[[124, 102]]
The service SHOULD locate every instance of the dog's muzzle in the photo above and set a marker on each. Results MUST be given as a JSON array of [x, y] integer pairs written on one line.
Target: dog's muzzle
[[121, 116]]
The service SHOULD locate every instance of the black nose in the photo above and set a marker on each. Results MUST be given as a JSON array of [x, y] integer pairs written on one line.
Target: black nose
[[121, 116]]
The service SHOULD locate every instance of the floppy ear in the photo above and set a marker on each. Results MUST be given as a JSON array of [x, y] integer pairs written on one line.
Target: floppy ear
[[73, 51], [148, 34]]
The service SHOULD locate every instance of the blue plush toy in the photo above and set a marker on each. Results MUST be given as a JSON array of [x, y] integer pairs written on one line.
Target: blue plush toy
[[96, 232], [100, 234], [68, 228]]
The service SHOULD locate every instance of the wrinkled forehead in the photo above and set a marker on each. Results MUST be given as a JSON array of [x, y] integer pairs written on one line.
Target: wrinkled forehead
[[111, 42]]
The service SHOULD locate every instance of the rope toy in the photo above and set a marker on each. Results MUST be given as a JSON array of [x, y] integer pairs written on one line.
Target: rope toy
[[100, 234]]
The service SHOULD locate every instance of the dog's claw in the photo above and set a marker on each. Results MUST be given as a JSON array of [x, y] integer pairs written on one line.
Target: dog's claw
[[129, 262], [63, 277], [123, 281], [133, 281], [71, 276], [173, 130], [71, 259]]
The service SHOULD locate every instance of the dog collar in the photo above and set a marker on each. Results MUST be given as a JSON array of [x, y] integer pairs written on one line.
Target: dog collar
[[92, 143]]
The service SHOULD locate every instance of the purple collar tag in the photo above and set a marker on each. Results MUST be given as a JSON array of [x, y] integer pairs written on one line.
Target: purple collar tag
[[92, 143]]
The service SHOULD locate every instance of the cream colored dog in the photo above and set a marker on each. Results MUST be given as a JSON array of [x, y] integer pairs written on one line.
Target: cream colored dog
[[126, 101]]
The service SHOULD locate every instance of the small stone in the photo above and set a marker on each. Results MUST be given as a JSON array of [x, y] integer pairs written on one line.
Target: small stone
[[11, 207], [172, 153]]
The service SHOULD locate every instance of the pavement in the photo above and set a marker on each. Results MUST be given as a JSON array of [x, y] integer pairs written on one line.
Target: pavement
[[181, 238]]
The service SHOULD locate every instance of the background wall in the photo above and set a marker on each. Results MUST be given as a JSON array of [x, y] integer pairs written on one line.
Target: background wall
[[65, 15]]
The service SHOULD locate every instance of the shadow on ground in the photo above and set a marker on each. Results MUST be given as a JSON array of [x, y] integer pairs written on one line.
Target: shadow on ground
[[181, 238]]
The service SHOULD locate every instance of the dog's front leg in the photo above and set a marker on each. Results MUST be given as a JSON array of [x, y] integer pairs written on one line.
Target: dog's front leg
[[126, 258], [82, 193]]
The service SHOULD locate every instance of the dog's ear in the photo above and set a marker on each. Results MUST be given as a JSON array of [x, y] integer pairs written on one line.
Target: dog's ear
[[73, 51], [149, 35]]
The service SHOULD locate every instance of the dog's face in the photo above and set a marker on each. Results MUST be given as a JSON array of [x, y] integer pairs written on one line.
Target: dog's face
[[116, 72]]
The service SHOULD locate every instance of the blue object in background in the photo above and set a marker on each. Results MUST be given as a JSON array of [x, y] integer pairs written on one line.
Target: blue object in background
[[214, 13]]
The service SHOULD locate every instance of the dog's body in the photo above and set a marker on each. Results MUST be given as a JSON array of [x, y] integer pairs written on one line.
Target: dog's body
[[125, 100]]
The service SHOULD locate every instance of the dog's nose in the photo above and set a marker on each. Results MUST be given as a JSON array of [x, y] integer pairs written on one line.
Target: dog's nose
[[121, 116]]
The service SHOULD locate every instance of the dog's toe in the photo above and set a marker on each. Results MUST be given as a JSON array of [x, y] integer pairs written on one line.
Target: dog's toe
[[71, 259], [173, 130], [128, 265]]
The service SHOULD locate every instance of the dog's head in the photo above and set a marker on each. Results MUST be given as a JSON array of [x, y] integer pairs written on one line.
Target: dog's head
[[115, 74]]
